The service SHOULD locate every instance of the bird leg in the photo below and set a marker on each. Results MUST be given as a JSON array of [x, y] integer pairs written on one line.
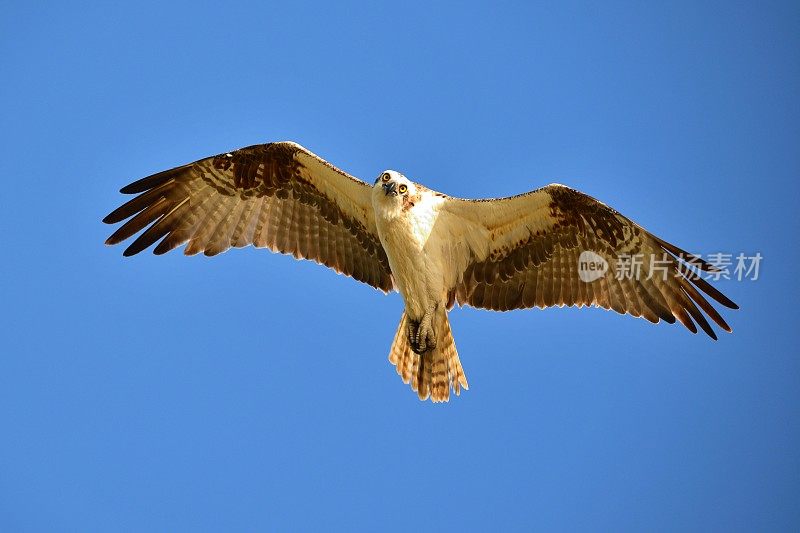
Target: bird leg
[[420, 333]]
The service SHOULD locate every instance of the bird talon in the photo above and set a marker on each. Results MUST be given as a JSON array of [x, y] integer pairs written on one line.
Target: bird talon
[[421, 334]]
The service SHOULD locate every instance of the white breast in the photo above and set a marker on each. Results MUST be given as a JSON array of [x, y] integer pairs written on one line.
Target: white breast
[[414, 253]]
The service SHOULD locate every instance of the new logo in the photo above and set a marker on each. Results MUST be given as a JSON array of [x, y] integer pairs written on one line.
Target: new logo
[[591, 266]]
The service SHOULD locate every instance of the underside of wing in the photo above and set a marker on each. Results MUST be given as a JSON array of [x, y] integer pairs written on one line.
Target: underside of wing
[[278, 196], [557, 246]]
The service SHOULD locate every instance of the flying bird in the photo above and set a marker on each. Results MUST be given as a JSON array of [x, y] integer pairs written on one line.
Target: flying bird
[[548, 247]]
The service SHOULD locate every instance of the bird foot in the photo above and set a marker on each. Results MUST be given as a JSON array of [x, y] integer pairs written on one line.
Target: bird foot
[[421, 335]]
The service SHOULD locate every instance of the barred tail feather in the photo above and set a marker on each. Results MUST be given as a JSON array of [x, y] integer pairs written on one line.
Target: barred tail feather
[[436, 371]]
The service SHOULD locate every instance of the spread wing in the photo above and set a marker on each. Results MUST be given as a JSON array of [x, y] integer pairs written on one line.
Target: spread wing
[[526, 251], [278, 196]]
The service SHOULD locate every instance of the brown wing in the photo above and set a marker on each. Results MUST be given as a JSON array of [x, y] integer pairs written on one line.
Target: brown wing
[[528, 254], [278, 196]]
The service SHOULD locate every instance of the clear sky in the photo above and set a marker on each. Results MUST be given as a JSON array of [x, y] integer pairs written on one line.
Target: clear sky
[[251, 391]]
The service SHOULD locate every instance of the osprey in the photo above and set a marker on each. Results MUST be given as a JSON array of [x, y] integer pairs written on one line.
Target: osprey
[[548, 247]]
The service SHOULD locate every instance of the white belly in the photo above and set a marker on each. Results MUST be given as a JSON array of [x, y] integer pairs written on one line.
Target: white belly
[[416, 264]]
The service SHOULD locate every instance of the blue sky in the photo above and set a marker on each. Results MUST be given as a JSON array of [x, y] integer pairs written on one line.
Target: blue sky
[[251, 391]]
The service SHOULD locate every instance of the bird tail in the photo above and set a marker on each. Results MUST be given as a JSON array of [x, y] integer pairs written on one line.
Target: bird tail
[[437, 370]]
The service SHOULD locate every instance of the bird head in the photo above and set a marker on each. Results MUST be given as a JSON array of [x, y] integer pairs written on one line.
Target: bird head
[[392, 186]]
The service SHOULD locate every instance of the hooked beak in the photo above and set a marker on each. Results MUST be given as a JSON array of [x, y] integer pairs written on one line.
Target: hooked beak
[[390, 189]]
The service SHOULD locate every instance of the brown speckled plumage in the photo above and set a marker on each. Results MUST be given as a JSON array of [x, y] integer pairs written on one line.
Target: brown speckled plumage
[[261, 195], [541, 268], [434, 372]]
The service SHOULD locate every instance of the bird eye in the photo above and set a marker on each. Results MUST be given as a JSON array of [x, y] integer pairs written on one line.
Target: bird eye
[[403, 188], [385, 177]]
